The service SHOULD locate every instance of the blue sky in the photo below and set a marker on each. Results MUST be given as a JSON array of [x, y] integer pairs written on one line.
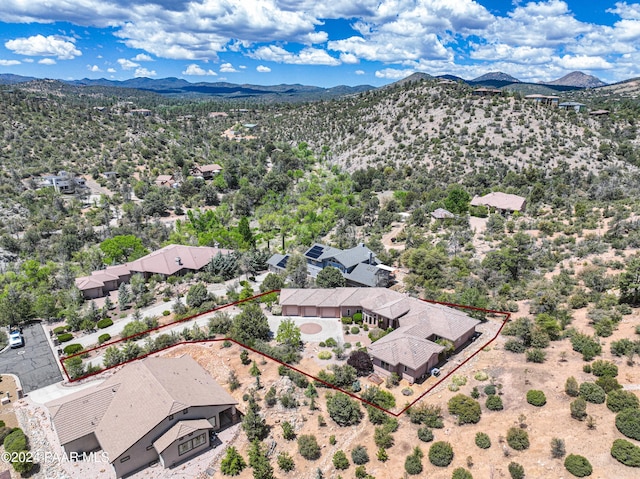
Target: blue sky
[[348, 42]]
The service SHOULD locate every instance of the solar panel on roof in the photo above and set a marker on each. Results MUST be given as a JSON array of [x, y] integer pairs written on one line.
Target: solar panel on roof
[[315, 252], [283, 262]]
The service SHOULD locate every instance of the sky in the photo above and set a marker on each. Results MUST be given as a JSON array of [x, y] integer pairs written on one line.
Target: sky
[[347, 42]]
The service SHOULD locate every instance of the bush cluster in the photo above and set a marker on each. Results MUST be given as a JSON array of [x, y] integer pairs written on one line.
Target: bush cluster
[[626, 452], [628, 423], [578, 465], [518, 438], [465, 408], [536, 398], [104, 323], [440, 454], [618, 400], [425, 434], [494, 403], [72, 349], [482, 440], [592, 393]]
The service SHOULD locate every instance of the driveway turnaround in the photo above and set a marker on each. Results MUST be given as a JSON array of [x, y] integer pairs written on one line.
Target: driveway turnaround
[[34, 362]]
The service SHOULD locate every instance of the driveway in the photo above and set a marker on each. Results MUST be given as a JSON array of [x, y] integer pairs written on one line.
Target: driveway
[[33, 363]]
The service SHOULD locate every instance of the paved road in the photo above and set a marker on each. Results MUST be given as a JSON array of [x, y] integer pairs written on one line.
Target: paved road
[[33, 363]]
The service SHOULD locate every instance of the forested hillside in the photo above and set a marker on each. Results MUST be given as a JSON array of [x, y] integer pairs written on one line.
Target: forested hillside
[[336, 171]]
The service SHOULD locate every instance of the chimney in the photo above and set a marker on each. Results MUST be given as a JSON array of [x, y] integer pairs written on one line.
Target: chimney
[[370, 257], [178, 260]]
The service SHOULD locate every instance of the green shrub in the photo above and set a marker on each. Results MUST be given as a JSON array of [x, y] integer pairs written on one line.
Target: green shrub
[[481, 376], [461, 473], [16, 441], [359, 455], [618, 400], [347, 320], [571, 387], [285, 462], [608, 384], [536, 398], [357, 318], [588, 346], [4, 432], [355, 330], [465, 408], [308, 447], [232, 463], [628, 423], [331, 343], [440, 454], [515, 345], [626, 452], [518, 438], [103, 338], [324, 355], [516, 471], [72, 349], [577, 465], [578, 409], [340, 461], [425, 434], [490, 389], [494, 403], [64, 337], [413, 464], [483, 441], [536, 355], [592, 393], [104, 323], [601, 367], [287, 431], [60, 329]]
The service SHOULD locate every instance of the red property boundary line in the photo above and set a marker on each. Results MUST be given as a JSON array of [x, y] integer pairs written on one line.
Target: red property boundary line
[[505, 314]]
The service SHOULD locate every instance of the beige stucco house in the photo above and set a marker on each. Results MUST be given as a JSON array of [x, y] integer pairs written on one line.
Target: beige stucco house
[[156, 410], [412, 348]]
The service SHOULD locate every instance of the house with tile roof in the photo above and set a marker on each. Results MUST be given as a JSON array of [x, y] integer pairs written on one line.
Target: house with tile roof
[[172, 260], [420, 329], [156, 410], [358, 265]]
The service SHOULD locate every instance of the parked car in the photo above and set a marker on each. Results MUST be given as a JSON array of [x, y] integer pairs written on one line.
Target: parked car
[[15, 339], [435, 372]]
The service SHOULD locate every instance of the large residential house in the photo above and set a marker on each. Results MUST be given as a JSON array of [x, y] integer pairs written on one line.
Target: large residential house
[[156, 410], [172, 260], [206, 171], [414, 346], [358, 265], [63, 182]]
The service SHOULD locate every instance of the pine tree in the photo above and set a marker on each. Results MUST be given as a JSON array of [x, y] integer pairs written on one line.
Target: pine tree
[[254, 425]]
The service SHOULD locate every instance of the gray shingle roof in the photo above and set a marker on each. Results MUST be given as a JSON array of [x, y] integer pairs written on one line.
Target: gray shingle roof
[[401, 347], [180, 429]]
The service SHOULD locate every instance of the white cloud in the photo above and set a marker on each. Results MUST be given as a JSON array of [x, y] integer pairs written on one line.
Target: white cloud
[[143, 72], [94, 68], [227, 68], [142, 57], [307, 56], [263, 69], [359, 72], [111, 70], [393, 74], [629, 12], [9, 63], [126, 64], [38, 45], [28, 60], [501, 51], [47, 61], [197, 70], [349, 58], [583, 63]]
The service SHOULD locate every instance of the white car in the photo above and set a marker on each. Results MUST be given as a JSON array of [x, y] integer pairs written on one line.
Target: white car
[[15, 339]]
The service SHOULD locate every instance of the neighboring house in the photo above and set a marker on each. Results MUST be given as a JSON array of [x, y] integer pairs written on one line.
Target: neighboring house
[[487, 92], [500, 201], [166, 181], [442, 214], [568, 105], [411, 349], [548, 100], [156, 410], [358, 265], [599, 112], [172, 260], [63, 182], [141, 112], [206, 171]]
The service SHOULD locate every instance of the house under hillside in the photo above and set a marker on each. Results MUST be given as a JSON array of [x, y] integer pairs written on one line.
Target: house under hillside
[[358, 265], [416, 343]]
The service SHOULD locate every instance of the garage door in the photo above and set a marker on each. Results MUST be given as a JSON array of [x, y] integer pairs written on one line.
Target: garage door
[[329, 312], [310, 311]]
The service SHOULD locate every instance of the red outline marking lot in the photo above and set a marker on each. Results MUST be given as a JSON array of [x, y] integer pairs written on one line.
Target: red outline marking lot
[[507, 316]]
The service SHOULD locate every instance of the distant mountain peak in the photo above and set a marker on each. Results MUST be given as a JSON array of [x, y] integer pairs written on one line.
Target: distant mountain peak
[[496, 76], [578, 79]]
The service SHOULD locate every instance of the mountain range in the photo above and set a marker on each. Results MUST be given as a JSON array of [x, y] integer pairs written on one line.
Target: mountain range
[[296, 92]]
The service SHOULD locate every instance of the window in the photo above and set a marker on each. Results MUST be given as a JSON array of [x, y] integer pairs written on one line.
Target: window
[[406, 369], [213, 421], [125, 458], [197, 441]]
